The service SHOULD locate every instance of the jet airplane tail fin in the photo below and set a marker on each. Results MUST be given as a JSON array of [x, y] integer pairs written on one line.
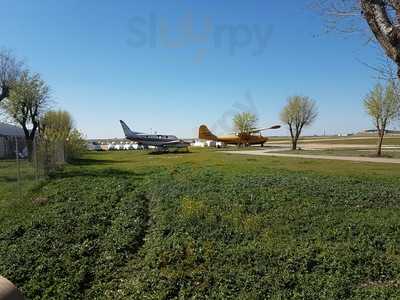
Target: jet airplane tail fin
[[127, 131]]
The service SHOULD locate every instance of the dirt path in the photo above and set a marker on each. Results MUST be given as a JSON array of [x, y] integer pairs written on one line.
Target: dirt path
[[328, 157]]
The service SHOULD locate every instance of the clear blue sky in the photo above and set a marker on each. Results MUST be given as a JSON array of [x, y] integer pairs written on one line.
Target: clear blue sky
[[131, 60]]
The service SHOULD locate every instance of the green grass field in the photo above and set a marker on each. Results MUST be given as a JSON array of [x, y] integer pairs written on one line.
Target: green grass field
[[204, 225], [10, 189]]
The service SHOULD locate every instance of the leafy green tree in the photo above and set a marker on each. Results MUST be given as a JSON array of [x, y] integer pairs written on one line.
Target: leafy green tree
[[56, 125], [244, 122], [298, 113], [75, 145], [57, 128], [382, 104], [27, 102]]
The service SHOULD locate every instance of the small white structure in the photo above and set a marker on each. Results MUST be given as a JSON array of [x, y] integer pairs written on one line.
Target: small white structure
[[220, 145], [211, 144], [128, 147], [93, 146], [119, 147], [136, 146], [198, 143]]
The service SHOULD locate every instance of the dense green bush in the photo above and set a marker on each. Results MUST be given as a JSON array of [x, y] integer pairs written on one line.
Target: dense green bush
[[75, 146], [83, 230]]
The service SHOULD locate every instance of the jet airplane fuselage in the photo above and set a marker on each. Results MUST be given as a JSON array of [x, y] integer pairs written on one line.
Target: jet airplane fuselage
[[160, 141]]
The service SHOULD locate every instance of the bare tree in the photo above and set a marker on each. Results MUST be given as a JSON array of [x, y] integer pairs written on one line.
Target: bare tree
[[27, 102], [10, 70], [298, 113], [382, 105], [382, 19]]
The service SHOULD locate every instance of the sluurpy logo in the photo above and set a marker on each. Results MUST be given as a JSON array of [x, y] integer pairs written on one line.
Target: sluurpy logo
[[202, 35]]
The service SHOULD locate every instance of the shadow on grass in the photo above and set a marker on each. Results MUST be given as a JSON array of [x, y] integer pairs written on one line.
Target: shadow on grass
[[96, 173], [8, 179], [168, 153], [90, 162], [88, 173]]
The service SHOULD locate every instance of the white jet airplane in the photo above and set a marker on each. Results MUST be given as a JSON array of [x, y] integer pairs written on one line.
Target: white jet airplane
[[162, 143]]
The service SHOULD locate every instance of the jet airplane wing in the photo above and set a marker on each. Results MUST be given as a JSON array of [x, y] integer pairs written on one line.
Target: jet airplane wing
[[175, 142]]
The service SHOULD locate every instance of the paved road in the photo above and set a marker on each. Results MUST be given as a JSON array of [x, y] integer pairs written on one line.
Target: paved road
[[328, 157], [313, 140], [319, 146]]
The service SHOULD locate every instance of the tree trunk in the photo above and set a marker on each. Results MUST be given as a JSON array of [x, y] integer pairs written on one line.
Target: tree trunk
[[294, 144], [293, 136], [5, 91], [380, 142], [29, 146]]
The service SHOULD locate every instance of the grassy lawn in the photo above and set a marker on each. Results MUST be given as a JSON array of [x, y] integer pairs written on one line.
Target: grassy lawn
[[9, 185], [129, 225]]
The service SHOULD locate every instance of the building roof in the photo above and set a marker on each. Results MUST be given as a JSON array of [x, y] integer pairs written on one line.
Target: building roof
[[10, 130]]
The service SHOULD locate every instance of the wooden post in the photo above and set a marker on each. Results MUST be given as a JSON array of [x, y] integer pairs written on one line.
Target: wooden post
[[18, 168], [36, 159]]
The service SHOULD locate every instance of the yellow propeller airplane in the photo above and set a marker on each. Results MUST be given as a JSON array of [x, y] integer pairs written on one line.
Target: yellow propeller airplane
[[239, 139]]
